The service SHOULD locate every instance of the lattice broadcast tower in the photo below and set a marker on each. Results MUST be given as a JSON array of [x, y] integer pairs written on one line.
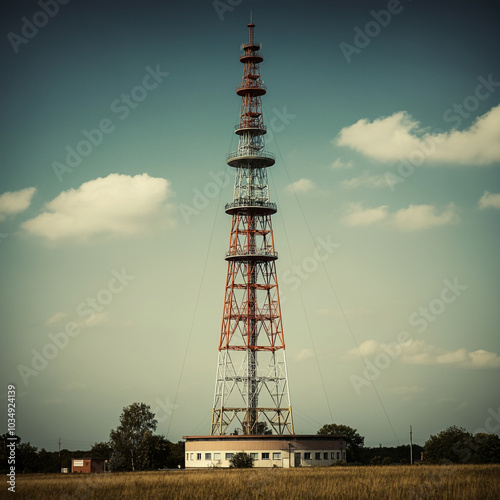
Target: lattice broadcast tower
[[251, 387]]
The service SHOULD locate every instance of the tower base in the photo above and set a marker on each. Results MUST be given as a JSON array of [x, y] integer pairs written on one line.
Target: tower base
[[307, 450]]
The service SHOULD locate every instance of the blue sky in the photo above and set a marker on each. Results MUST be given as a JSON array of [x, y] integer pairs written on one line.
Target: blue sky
[[117, 117]]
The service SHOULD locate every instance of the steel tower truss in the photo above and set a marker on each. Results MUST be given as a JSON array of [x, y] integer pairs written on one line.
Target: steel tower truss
[[251, 386]]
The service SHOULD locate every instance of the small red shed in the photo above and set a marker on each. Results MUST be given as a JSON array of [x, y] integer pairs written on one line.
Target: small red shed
[[88, 465]]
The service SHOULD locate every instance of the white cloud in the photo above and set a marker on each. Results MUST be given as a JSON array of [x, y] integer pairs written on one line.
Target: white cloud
[[12, 203], [56, 318], [304, 354], [420, 358], [422, 216], [419, 352], [452, 357], [338, 163], [483, 359], [460, 358], [400, 136], [369, 181], [385, 138], [372, 347], [489, 200], [116, 204], [96, 320], [367, 348], [417, 347], [359, 216], [413, 218], [300, 186]]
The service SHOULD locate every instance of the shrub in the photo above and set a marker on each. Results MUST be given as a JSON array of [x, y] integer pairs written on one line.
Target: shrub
[[241, 461]]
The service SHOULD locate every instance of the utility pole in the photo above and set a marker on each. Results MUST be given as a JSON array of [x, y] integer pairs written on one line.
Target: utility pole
[[411, 446], [59, 454]]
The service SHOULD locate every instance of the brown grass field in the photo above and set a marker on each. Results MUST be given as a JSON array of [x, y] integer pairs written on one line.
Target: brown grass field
[[451, 482]]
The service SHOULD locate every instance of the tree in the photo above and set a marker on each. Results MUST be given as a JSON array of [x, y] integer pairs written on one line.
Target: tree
[[452, 444], [261, 428], [177, 455], [135, 421], [486, 449], [355, 441], [395, 455], [241, 460], [48, 461], [118, 462], [153, 452], [482, 448], [101, 450], [28, 459]]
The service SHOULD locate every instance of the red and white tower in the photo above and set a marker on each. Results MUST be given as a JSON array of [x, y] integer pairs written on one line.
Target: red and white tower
[[251, 387]]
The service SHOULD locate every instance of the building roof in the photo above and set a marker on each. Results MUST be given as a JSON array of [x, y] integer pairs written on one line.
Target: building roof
[[265, 437]]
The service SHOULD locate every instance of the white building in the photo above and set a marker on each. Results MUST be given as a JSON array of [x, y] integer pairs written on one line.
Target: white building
[[266, 450]]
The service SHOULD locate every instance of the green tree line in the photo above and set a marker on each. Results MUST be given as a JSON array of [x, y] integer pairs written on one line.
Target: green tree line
[[134, 446], [453, 445]]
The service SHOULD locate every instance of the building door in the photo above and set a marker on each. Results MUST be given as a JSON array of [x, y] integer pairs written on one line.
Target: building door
[[297, 460]]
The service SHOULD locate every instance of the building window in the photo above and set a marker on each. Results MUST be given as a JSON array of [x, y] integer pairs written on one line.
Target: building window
[[191, 457], [338, 455], [198, 456], [216, 456], [325, 455], [187, 456], [317, 456], [307, 456], [332, 455], [276, 456], [265, 456], [255, 456], [208, 456], [229, 456]]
